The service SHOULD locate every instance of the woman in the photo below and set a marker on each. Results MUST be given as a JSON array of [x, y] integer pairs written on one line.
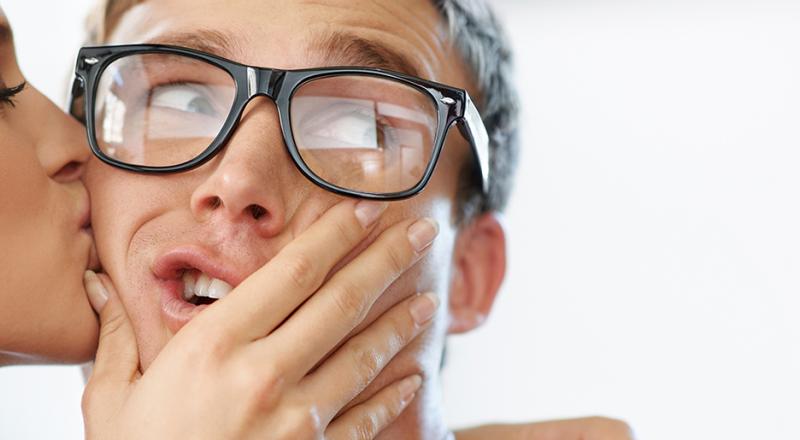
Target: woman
[[45, 315]]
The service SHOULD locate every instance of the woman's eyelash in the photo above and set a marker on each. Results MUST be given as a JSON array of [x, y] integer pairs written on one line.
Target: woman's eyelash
[[7, 94]]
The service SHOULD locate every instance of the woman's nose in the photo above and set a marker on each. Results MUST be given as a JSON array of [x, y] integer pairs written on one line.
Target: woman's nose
[[60, 140]]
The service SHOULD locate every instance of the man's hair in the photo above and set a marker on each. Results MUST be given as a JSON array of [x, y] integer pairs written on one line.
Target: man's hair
[[485, 49]]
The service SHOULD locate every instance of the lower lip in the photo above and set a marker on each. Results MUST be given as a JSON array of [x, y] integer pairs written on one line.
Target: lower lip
[[94, 260], [175, 311]]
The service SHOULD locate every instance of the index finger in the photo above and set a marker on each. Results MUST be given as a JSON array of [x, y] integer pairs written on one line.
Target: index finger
[[266, 298]]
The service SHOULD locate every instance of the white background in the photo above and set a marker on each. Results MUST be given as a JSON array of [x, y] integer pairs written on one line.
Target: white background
[[653, 235]]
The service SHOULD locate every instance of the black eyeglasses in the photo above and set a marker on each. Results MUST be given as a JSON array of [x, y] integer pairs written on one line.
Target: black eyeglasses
[[359, 132]]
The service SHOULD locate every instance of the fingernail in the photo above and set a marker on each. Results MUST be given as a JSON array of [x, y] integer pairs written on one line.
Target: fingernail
[[422, 233], [368, 211], [424, 307], [409, 387], [98, 295]]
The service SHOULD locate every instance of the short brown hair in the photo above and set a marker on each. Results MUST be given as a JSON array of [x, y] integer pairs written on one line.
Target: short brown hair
[[105, 18]]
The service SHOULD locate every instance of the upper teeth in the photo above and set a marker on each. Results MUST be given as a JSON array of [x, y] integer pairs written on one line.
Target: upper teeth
[[203, 285]]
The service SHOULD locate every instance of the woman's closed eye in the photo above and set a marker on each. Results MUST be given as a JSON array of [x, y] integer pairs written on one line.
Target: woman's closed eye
[[7, 94]]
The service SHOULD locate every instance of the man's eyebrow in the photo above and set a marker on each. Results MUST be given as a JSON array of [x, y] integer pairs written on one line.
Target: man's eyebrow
[[337, 49], [343, 49], [204, 40]]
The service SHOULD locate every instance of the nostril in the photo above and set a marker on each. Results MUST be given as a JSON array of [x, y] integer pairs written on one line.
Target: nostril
[[69, 172], [214, 203], [257, 211]]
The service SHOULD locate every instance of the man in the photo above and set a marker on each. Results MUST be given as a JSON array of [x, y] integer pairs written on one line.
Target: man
[[243, 205]]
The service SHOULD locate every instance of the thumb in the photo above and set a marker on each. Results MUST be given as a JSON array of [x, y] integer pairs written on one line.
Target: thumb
[[117, 358]]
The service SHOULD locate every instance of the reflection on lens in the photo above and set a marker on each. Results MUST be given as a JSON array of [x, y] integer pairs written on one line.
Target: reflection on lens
[[364, 133], [160, 110]]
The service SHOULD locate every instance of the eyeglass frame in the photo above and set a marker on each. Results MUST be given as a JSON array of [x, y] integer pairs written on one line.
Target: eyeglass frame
[[453, 106]]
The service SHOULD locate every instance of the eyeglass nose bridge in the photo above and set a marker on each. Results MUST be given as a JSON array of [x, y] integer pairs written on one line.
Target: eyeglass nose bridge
[[262, 81]]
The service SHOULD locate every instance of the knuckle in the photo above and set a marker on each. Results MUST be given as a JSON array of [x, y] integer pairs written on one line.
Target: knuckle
[[369, 424], [214, 346], [394, 408], [345, 232], [397, 260], [112, 324], [368, 361], [303, 422], [390, 333], [399, 331], [349, 299], [300, 271], [217, 348], [203, 353], [261, 385]]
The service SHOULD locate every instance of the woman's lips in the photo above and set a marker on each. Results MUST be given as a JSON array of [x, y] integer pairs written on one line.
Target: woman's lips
[[86, 218], [94, 258], [85, 227]]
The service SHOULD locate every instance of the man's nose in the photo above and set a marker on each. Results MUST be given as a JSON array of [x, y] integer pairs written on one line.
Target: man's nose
[[250, 176]]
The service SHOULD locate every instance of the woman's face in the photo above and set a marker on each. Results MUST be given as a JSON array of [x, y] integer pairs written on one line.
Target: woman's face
[[44, 313]]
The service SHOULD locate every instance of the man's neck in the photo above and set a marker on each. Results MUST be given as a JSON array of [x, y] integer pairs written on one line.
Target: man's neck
[[423, 419]]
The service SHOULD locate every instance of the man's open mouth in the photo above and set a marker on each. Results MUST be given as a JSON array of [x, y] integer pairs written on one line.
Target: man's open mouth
[[199, 288], [192, 278]]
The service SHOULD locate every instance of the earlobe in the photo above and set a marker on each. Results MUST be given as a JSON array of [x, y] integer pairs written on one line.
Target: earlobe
[[479, 266]]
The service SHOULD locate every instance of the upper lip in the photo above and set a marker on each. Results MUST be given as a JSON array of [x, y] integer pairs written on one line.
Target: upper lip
[[171, 264]]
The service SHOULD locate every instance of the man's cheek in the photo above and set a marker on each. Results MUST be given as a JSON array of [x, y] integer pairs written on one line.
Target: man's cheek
[[116, 211], [141, 304]]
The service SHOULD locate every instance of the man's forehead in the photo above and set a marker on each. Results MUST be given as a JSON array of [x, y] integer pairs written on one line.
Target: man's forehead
[[406, 36], [330, 48]]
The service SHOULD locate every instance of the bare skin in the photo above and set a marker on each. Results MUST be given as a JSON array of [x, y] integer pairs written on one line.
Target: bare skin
[[206, 207], [47, 245], [47, 317], [255, 349], [589, 428], [49, 163], [464, 267]]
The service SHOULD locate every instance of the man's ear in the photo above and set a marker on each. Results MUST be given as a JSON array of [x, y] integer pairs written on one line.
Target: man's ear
[[479, 266]]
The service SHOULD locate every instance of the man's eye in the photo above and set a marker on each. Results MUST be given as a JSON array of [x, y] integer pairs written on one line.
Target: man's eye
[[183, 97], [344, 126], [352, 129]]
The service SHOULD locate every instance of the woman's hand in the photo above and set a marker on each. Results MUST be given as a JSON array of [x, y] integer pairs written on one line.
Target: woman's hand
[[246, 367], [589, 428]]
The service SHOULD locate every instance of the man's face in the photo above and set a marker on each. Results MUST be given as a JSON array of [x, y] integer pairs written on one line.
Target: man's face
[[148, 226]]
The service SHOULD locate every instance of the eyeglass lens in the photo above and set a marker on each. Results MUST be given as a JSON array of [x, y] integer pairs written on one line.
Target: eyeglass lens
[[358, 132]]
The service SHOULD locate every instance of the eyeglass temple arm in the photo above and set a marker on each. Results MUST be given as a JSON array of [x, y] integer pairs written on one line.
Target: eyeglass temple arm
[[75, 100], [474, 130]]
